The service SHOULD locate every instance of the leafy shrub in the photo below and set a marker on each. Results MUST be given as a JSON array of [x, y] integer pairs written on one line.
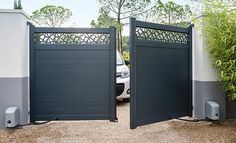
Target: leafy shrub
[[220, 34]]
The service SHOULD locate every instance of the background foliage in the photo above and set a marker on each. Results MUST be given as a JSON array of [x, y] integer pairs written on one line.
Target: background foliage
[[51, 15], [126, 56], [104, 20], [220, 33], [169, 13], [119, 11]]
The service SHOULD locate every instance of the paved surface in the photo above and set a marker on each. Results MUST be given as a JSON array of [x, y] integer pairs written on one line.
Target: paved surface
[[108, 132]]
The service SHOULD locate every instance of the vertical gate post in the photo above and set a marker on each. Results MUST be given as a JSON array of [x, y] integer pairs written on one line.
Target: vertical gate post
[[112, 60], [132, 42], [32, 70], [190, 70]]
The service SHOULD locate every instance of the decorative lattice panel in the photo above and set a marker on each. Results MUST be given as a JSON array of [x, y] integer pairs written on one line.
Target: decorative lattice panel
[[71, 38], [161, 36]]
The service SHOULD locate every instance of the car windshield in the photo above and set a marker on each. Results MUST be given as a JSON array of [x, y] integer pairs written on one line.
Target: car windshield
[[119, 60]]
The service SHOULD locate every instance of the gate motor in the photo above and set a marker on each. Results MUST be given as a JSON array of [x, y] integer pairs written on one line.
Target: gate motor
[[12, 117], [212, 110]]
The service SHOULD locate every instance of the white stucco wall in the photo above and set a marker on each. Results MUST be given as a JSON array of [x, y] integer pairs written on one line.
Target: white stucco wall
[[202, 64], [14, 57]]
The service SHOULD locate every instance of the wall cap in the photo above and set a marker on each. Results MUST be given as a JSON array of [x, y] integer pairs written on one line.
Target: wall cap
[[14, 11]]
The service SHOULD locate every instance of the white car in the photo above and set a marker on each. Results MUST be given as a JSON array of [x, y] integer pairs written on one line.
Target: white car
[[122, 78]]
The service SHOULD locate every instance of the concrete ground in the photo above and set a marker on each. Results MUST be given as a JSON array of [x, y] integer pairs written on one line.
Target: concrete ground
[[109, 132]]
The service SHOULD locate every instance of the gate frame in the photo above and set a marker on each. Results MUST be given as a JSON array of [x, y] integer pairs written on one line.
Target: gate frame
[[112, 63], [132, 40]]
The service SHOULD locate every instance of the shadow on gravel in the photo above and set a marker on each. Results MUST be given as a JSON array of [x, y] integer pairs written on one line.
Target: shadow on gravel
[[122, 103]]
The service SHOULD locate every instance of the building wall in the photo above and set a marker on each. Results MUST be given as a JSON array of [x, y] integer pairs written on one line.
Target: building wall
[[205, 81], [14, 63]]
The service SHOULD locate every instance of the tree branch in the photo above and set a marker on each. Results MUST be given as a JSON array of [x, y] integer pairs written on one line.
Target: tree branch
[[137, 14]]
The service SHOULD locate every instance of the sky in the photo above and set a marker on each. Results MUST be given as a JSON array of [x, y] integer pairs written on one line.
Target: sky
[[84, 11]]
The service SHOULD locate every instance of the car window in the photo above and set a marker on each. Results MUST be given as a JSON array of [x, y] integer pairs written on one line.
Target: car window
[[119, 60]]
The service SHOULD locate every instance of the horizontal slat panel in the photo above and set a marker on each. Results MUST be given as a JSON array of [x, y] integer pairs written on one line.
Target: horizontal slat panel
[[161, 27], [72, 84], [74, 117], [152, 44], [71, 46], [72, 30], [162, 82]]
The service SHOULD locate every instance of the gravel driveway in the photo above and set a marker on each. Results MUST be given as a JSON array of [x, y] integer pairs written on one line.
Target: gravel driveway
[[108, 132]]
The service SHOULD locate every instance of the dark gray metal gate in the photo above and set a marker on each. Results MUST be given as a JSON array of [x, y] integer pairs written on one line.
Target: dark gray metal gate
[[161, 72], [72, 73]]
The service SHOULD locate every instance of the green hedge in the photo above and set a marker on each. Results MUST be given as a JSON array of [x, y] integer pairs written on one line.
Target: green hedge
[[220, 34]]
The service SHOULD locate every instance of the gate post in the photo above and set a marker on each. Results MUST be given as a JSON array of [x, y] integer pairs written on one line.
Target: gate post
[[190, 70], [14, 71], [32, 70], [132, 42], [112, 60]]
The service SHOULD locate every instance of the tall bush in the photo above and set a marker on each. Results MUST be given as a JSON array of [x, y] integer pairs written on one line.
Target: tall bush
[[220, 34]]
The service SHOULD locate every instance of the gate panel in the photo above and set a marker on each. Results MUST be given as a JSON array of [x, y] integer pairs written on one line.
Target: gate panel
[[160, 72], [72, 74]]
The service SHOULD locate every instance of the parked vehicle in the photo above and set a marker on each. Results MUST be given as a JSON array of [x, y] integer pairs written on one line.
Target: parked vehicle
[[122, 78]]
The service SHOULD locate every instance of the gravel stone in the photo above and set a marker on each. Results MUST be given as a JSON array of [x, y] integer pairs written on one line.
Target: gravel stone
[[118, 132]]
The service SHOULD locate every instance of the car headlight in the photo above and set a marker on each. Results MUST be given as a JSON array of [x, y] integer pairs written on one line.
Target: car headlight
[[125, 73]]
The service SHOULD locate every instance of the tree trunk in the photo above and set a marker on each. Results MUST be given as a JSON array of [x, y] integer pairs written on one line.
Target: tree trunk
[[117, 40], [119, 30], [121, 50]]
